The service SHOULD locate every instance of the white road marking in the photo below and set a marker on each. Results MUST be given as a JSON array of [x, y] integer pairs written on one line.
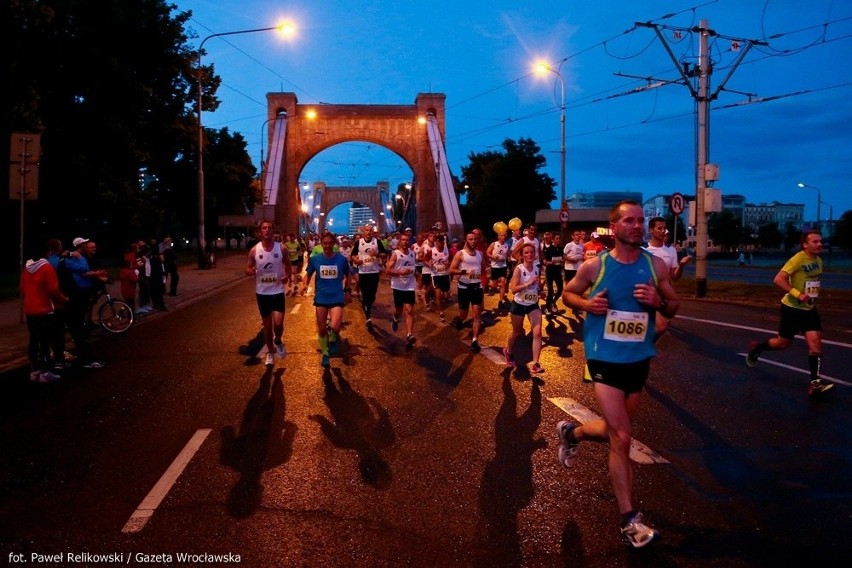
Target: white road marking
[[296, 309], [149, 504], [639, 452], [802, 371], [758, 329]]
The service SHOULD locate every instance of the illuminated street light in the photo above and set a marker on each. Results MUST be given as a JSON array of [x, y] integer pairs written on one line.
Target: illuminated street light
[[819, 200], [286, 29], [542, 68]]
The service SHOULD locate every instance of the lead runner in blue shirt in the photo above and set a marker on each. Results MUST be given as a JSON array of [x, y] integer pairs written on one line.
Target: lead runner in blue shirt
[[332, 270], [627, 286]]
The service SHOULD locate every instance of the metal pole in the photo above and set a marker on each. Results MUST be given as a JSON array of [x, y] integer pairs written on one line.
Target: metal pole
[[819, 218], [201, 229], [701, 233]]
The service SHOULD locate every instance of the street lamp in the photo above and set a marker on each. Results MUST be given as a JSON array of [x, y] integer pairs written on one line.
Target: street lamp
[[284, 28], [542, 68], [819, 200]]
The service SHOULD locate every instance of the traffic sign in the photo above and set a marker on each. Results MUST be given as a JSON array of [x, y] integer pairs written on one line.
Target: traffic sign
[[564, 216], [677, 203]]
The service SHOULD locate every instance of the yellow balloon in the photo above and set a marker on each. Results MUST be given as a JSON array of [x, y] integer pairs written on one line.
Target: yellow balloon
[[515, 223], [499, 227]]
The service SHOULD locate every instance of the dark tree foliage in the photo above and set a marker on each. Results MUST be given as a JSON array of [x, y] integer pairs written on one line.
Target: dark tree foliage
[[111, 87], [843, 232], [725, 229], [497, 186], [770, 236]]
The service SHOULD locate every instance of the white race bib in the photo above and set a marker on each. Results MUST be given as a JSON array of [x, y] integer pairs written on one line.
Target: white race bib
[[812, 288], [626, 326], [328, 271]]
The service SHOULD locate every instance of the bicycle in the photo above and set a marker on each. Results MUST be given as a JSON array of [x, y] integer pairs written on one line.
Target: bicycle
[[115, 316]]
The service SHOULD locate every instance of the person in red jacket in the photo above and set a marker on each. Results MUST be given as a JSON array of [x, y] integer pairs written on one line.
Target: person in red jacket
[[39, 294]]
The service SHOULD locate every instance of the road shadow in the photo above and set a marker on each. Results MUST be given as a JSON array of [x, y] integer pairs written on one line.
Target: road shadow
[[264, 441], [251, 349], [357, 423], [558, 335], [507, 481]]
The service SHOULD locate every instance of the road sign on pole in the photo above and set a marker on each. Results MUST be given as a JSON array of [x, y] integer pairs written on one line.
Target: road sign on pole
[[677, 203]]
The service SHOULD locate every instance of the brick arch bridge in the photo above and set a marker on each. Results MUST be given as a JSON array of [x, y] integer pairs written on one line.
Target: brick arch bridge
[[311, 128], [330, 197]]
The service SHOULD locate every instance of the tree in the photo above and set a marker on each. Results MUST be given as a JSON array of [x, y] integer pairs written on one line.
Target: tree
[[497, 186], [228, 186], [725, 229], [769, 236], [843, 231], [112, 88]]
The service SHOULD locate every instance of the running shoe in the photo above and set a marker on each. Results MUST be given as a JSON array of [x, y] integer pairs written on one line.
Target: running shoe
[[48, 377], [280, 350], [474, 346], [409, 341], [369, 324], [637, 534], [94, 365], [818, 386], [270, 360], [325, 361], [536, 368], [567, 452], [510, 359], [753, 355], [395, 324]]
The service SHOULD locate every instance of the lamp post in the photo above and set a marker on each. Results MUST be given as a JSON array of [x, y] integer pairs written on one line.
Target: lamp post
[[201, 236], [819, 200], [544, 68]]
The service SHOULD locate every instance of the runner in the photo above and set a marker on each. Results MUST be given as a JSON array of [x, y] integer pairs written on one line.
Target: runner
[[269, 263], [400, 267], [626, 286], [799, 278], [498, 254], [440, 263], [469, 264], [573, 255], [525, 286], [367, 255], [551, 259], [330, 294], [296, 256], [657, 246]]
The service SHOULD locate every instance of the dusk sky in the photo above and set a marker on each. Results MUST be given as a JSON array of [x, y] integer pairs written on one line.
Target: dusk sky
[[480, 54]]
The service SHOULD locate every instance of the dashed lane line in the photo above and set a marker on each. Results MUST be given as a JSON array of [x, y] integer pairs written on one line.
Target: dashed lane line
[[798, 370], [758, 329], [149, 504], [639, 452]]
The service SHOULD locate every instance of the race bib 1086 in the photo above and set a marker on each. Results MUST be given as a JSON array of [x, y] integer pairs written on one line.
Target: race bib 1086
[[626, 326]]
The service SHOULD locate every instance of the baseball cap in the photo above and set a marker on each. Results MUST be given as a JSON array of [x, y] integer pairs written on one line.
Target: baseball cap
[[79, 241]]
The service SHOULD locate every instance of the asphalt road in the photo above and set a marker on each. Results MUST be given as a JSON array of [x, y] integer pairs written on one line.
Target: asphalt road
[[434, 457]]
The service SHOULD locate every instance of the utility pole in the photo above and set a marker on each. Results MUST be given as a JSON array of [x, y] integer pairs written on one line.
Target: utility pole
[[705, 172]]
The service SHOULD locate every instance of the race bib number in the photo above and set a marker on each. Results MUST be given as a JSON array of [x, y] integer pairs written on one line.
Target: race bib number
[[626, 326], [474, 275], [812, 288], [268, 278], [368, 259], [328, 272], [531, 297], [439, 267]]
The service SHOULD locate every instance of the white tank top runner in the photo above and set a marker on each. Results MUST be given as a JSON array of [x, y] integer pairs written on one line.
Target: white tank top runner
[[440, 261], [528, 296], [472, 265], [402, 260], [368, 253], [270, 269]]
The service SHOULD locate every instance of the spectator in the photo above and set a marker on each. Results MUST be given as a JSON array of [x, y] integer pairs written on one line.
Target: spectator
[[129, 276], [170, 264], [143, 264], [87, 281], [40, 293], [157, 281]]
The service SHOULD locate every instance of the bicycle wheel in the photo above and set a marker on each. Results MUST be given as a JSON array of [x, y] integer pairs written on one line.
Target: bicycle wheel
[[116, 316]]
